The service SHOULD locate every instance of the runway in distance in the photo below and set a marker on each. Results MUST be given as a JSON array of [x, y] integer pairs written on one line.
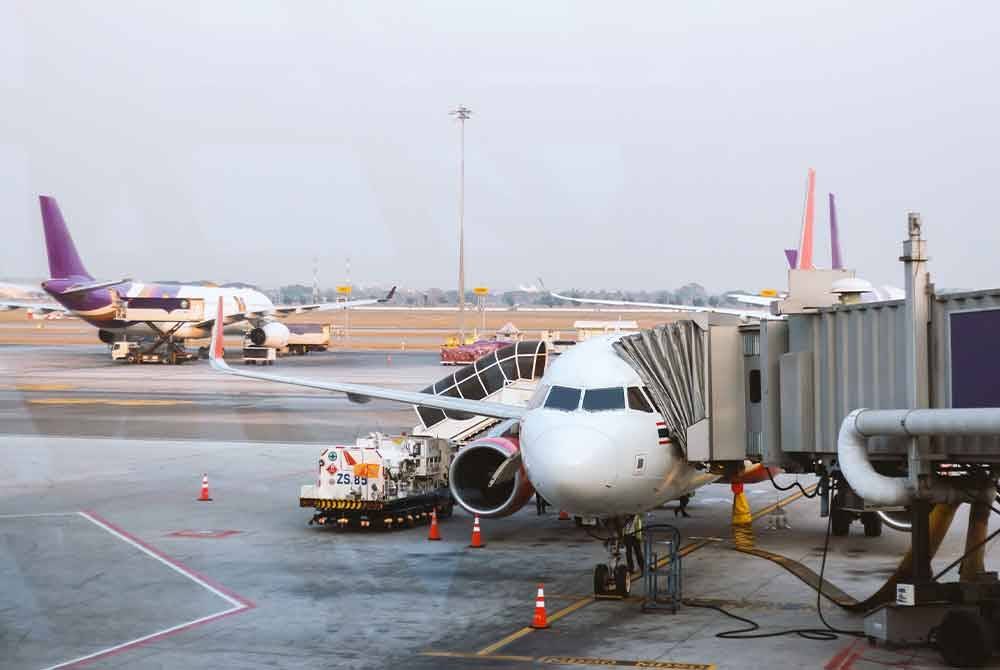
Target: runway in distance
[[589, 441], [98, 302]]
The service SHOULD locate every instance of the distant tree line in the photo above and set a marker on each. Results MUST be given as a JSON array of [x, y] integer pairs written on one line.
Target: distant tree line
[[688, 294]]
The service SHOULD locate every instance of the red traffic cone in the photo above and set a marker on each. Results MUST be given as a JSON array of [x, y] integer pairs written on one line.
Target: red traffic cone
[[435, 533], [563, 515], [540, 620], [204, 497], [477, 535]]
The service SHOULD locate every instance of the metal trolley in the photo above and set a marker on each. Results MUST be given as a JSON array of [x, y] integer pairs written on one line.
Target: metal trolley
[[662, 575]]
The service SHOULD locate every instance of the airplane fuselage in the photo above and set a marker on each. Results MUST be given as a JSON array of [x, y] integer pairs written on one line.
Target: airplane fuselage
[[97, 307], [598, 447]]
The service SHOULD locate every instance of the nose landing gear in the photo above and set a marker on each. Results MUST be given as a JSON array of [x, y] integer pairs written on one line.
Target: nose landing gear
[[613, 578]]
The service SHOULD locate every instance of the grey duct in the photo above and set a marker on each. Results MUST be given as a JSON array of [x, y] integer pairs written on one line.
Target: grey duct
[[878, 489], [670, 360]]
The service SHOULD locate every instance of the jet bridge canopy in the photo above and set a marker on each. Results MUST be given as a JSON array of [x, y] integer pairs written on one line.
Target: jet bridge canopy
[[670, 361], [485, 377]]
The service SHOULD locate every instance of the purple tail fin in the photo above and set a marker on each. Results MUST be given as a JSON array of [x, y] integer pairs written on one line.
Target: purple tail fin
[[837, 260], [63, 260], [793, 256]]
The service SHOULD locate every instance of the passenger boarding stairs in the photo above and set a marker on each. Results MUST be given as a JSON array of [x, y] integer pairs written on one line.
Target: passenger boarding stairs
[[508, 375]]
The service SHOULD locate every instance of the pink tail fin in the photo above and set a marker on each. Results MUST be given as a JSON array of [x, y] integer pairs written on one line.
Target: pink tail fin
[[806, 243]]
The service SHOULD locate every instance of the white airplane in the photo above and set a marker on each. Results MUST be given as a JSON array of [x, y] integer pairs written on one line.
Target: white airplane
[[97, 302], [589, 441]]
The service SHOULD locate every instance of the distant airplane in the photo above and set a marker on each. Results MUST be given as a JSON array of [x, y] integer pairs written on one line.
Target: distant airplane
[[589, 441], [97, 302]]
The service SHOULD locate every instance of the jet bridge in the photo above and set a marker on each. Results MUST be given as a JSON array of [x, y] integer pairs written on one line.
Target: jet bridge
[[508, 375]]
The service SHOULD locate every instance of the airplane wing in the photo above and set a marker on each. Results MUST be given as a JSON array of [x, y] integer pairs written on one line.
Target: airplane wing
[[761, 300], [750, 314], [286, 310], [33, 307], [363, 392], [328, 306]]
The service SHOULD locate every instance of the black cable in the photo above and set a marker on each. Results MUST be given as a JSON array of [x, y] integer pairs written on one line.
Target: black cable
[[819, 590], [791, 486], [748, 633], [816, 634]]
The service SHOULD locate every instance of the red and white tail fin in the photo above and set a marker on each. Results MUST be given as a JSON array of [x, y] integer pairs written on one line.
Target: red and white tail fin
[[215, 350], [805, 255]]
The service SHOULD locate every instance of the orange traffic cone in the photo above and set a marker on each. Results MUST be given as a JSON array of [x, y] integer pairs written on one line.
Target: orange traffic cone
[[563, 515], [204, 497], [435, 533], [477, 535], [540, 620]]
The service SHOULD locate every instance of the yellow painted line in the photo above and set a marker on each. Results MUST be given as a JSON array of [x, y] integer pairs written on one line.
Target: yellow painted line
[[465, 654], [583, 602], [783, 502], [576, 660], [44, 387], [125, 402]]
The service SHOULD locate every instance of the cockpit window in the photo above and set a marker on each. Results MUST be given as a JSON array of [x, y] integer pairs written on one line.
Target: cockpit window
[[538, 397], [600, 400], [564, 398], [636, 400]]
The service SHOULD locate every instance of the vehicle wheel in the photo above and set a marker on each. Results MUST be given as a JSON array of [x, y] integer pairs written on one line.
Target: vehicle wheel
[[601, 573], [203, 352], [872, 523], [841, 523], [623, 581], [965, 639], [578, 521]]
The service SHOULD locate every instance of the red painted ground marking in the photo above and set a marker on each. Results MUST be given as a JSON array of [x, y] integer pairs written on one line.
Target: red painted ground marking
[[240, 604], [837, 662], [207, 534]]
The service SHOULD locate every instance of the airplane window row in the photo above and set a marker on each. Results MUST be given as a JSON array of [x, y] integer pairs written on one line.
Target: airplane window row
[[568, 399]]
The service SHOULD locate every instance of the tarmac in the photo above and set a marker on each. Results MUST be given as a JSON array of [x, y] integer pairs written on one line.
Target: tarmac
[[107, 560]]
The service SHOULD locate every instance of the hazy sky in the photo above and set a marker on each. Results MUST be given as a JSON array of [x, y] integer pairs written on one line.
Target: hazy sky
[[612, 144]]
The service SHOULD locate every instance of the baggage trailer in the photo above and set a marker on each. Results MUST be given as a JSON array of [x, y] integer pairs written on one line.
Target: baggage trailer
[[381, 482]]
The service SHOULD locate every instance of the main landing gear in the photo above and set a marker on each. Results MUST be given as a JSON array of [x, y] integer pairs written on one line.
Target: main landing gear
[[613, 578]]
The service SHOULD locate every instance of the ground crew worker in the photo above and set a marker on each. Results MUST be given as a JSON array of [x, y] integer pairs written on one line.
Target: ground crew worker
[[540, 503], [682, 504]]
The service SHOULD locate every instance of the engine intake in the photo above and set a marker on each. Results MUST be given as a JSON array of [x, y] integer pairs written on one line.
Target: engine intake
[[271, 334], [471, 471]]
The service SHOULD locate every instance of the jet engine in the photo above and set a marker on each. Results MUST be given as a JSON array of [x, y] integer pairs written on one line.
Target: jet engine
[[271, 334], [471, 471], [106, 336]]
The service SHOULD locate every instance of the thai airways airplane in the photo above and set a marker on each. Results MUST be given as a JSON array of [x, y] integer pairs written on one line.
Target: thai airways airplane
[[97, 302], [589, 441]]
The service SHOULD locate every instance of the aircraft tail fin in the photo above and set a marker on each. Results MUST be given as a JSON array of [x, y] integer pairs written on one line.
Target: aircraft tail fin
[[837, 260], [793, 256], [805, 256], [64, 261]]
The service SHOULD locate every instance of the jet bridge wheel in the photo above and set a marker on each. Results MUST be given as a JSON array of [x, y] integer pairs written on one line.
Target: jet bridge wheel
[[965, 639], [872, 523], [601, 574]]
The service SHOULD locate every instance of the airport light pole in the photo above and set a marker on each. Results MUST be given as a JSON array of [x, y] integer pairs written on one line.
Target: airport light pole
[[462, 113]]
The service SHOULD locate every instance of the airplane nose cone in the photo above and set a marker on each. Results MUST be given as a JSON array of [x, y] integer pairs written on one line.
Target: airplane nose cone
[[574, 468]]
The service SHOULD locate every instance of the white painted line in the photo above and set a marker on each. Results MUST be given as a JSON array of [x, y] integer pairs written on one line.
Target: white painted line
[[36, 515], [176, 567], [238, 604]]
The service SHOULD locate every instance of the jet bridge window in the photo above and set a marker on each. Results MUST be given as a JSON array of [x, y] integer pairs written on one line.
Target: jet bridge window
[[564, 398], [603, 400], [636, 400]]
